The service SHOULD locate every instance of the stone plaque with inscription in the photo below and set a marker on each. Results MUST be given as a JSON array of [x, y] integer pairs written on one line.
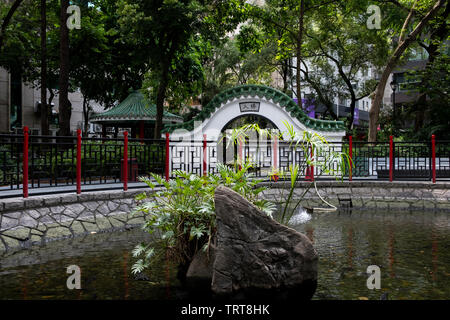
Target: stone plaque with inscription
[[249, 106]]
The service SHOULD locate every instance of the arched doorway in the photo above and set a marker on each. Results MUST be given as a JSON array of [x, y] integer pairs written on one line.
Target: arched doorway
[[258, 100], [186, 146], [254, 144]]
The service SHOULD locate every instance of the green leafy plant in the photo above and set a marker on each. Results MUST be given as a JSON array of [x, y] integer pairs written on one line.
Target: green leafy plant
[[317, 153], [182, 212]]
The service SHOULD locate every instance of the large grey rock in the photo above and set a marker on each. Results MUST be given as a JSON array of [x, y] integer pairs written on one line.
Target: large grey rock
[[258, 257], [199, 273]]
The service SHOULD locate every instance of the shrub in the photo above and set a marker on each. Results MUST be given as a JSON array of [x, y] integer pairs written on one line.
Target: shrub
[[183, 212]]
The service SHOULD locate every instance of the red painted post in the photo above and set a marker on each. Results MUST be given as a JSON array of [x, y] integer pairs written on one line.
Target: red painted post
[[204, 154], [25, 162], [312, 167], [350, 145], [167, 155], [125, 161], [391, 159], [433, 157], [78, 161]]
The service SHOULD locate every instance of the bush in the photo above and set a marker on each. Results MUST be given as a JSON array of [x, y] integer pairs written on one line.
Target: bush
[[183, 212]]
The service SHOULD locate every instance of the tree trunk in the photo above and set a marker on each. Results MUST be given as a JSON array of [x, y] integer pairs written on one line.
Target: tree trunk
[[44, 108], [326, 102], [86, 116], [160, 102], [392, 62], [6, 21], [299, 51], [285, 70], [433, 51], [64, 103], [374, 111]]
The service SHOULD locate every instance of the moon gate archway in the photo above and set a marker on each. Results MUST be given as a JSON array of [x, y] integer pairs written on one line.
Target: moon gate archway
[[259, 100]]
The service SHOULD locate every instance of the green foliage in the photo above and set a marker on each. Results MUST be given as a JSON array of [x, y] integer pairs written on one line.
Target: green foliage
[[183, 211], [176, 36], [317, 153]]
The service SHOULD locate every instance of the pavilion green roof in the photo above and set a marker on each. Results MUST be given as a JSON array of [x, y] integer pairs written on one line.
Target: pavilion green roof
[[134, 108]]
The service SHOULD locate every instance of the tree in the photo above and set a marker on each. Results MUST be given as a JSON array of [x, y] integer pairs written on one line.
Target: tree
[[44, 108], [169, 29], [405, 39], [259, 43], [101, 65], [438, 32], [91, 59], [7, 20], [339, 44], [22, 50], [234, 63], [65, 108], [296, 13]]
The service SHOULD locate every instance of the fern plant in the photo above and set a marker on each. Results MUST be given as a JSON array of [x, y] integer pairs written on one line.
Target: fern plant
[[182, 211]]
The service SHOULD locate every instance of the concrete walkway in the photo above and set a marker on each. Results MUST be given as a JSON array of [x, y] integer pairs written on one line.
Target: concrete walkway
[[7, 192]]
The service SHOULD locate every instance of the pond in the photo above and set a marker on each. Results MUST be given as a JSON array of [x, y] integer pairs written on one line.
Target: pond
[[412, 250]]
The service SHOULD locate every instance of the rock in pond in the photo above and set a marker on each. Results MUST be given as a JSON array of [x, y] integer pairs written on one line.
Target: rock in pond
[[256, 257], [199, 273]]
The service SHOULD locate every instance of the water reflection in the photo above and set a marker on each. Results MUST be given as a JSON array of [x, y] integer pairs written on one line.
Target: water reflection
[[407, 246], [412, 250]]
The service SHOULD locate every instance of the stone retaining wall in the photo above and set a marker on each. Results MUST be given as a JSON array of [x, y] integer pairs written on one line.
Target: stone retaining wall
[[41, 218], [368, 194]]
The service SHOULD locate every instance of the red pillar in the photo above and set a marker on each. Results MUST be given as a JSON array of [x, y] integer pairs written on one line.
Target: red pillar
[[78, 161], [350, 144], [391, 159], [167, 155], [204, 154], [25, 162], [433, 157], [309, 176], [125, 161]]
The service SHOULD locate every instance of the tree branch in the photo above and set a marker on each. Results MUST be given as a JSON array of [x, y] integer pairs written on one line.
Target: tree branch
[[7, 19], [406, 23]]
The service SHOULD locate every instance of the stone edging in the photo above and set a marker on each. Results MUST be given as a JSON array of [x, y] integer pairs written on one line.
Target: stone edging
[[43, 218], [371, 194]]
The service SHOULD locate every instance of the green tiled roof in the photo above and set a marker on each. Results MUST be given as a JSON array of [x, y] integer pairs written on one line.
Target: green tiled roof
[[262, 92], [134, 107]]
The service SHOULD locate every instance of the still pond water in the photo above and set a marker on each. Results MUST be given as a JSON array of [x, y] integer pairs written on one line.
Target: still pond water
[[412, 250]]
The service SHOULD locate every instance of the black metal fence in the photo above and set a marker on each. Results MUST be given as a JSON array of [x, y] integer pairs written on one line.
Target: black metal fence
[[52, 161]]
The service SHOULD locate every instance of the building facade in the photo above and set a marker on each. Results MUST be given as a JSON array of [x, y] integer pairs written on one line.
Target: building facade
[[20, 106]]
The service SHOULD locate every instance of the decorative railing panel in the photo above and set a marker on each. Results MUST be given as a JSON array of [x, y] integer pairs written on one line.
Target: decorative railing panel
[[52, 161]]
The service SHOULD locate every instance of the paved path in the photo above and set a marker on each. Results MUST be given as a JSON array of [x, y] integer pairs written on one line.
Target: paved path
[[6, 192]]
